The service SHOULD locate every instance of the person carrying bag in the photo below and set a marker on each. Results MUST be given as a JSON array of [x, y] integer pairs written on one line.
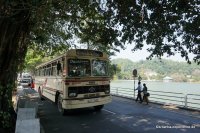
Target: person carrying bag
[[146, 94]]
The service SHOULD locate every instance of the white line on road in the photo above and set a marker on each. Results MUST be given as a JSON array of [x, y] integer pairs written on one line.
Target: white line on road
[[109, 111]]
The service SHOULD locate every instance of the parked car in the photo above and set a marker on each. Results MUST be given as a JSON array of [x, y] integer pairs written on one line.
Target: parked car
[[26, 82]]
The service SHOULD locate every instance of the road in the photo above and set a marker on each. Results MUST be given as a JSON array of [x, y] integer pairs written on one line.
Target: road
[[120, 116]]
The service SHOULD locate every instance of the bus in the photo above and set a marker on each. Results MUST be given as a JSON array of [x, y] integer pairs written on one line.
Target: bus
[[77, 79]]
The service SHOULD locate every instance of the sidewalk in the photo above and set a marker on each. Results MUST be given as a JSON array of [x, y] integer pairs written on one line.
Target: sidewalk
[[26, 103]]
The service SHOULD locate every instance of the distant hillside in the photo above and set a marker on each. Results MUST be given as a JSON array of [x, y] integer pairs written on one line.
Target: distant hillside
[[158, 69]]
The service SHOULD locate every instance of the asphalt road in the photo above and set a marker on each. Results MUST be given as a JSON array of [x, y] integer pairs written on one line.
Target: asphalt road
[[120, 116]]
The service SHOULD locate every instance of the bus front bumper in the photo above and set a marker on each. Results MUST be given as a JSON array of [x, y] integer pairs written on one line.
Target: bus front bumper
[[83, 103]]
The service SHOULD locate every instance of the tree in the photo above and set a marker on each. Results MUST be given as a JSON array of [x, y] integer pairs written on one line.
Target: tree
[[165, 26], [13, 32]]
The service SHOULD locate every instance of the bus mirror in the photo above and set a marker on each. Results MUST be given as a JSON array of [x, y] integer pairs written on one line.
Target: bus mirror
[[58, 66]]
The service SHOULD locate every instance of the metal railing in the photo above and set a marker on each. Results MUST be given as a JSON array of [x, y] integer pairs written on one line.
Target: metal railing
[[189, 101], [192, 100]]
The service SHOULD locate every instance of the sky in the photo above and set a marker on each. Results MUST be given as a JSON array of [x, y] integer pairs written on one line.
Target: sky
[[139, 54], [142, 55]]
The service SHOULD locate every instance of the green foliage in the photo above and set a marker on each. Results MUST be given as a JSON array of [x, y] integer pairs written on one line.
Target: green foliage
[[49, 26], [32, 59], [5, 119], [35, 57], [113, 70], [165, 26], [157, 69], [5, 96]]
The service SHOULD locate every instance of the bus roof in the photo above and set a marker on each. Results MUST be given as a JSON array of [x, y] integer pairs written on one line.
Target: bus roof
[[78, 53]]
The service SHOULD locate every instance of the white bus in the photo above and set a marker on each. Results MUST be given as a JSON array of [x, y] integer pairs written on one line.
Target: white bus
[[77, 79]]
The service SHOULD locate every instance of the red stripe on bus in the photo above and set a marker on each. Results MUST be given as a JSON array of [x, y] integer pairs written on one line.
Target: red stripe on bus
[[78, 80]]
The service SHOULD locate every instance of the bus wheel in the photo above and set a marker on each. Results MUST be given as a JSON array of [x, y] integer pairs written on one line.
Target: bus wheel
[[40, 93], [59, 104], [98, 108]]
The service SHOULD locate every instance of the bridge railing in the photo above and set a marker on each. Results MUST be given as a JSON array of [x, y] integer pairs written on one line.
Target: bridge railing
[[192, 100], [189, 101]]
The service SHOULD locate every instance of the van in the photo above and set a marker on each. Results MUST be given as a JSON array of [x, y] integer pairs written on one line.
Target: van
[[25, 82]]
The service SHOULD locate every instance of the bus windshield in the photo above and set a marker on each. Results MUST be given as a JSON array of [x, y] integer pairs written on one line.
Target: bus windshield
[[99, 68], [79, 67], [82, 67]]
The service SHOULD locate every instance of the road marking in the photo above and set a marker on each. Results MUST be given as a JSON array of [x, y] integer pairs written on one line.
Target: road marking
[[109, 111]]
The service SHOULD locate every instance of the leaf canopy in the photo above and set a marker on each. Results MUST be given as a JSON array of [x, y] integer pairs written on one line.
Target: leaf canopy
[[164, 26]]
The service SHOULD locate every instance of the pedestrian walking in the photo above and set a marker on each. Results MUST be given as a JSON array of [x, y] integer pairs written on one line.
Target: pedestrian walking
[[146, 94], [139, 95]]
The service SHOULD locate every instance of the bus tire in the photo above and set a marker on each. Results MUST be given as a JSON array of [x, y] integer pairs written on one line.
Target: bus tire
[[98, 108], [40, 94], [59, 105], [56, 97]]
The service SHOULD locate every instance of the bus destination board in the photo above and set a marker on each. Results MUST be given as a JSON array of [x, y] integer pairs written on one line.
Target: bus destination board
[[86, 52]]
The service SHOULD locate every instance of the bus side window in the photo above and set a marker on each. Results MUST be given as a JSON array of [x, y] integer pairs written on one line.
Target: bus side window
[[52, 70], [49, 71], [44, 70], [39, 72]]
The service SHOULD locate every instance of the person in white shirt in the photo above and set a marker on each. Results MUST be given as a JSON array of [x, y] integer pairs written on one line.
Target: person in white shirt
[[139, 88]]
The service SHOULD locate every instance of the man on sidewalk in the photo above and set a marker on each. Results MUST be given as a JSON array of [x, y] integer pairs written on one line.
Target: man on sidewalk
[[139, 88]]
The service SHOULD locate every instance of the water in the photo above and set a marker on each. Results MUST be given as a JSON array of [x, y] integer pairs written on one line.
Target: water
[[178, 87], [165, 92]]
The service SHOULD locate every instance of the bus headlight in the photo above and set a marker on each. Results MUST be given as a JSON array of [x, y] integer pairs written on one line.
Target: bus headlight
[[72, 94], [107, 91]]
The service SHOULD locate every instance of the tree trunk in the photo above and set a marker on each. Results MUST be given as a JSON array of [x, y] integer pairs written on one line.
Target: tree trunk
[[13, 31]]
